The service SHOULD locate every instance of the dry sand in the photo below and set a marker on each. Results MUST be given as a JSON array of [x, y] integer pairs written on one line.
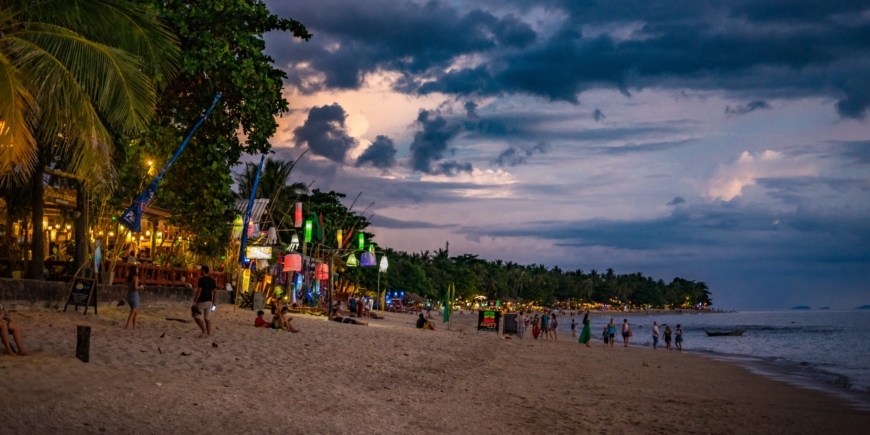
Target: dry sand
[[385, 378]]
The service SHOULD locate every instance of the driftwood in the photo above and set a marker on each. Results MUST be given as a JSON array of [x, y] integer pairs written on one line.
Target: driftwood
[[178, 320]]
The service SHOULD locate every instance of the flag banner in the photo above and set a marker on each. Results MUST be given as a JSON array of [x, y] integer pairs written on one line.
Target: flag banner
[[248, 212], [132, 217], [448, 302]]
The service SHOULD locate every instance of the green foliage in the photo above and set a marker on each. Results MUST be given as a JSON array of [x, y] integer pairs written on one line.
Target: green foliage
[[221, 52]]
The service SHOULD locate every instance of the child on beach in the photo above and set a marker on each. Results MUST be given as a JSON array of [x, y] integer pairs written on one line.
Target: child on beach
[[605, 335], [573, 328], [259, 322], [668, 337]]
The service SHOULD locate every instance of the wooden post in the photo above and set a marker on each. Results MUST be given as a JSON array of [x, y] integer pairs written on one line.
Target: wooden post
[[83, 343], [331, 283]]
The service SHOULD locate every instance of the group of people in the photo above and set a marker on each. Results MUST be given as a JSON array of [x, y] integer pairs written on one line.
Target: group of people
[[360, 306], [543, 325], [668, 335], [279, 320]]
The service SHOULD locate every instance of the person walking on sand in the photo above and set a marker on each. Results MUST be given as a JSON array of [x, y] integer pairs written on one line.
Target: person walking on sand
[[521, 325], [573, 328], [133, 287], [668, 337], [7, 326], [204, 302], [626, 331], [611, 332], [678, 339], [655, 333], [586, 334]]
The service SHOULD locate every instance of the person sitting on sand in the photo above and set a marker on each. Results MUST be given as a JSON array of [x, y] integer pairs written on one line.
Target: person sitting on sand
[[422, 323], [336, 317], [286, 321], [259, 322], [7, 326]]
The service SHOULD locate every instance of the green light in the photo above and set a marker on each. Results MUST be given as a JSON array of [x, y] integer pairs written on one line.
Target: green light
[[352, 261], [113, 218], [362, 242], [308, 228]]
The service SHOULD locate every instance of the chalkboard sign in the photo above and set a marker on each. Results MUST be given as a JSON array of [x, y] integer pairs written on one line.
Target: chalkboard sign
[[83, 294], [488, 321], [510, 323]]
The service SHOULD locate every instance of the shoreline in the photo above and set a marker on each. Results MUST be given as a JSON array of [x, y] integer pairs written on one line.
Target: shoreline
[[386, 378]]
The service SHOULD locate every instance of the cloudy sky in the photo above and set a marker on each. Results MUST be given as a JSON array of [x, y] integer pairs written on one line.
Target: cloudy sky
[[727, 144]]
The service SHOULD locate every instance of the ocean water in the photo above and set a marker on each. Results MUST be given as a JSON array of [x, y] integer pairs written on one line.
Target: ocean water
[[827, 350]]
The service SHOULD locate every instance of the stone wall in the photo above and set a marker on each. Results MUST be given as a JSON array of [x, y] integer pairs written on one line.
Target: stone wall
[[23, 292]]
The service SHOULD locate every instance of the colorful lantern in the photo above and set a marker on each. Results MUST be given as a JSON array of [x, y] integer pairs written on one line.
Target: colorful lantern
[[384, 264], [294, 242], [308, 228], [321, 272], [298, 215], [292, 262], [237, 228], [352, 261], [339, 238], [362, 241], [367, 259]]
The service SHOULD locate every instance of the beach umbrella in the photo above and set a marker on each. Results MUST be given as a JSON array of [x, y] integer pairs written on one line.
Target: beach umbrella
[[292, 262], [352, 261]]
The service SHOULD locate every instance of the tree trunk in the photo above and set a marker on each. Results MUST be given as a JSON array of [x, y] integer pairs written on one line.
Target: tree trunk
[[37, 207], [81, 228]]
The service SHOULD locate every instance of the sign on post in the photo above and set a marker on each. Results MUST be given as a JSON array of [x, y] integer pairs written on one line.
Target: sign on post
[[510, 323], [488, 321], [82, 294]]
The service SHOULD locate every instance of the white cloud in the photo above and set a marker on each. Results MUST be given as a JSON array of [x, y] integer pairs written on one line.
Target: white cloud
[[729, 180]]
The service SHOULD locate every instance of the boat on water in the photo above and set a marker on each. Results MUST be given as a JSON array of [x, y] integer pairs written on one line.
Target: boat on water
[[725, 333]]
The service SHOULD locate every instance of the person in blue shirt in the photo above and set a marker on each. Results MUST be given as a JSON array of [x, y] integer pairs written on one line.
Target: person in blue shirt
[[611, 331], [545, 325]]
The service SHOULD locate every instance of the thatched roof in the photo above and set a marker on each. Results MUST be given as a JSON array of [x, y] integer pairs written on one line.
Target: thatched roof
[[413, 297]]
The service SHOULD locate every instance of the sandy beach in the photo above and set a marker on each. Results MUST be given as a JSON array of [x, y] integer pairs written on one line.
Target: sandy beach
[[386, 378]]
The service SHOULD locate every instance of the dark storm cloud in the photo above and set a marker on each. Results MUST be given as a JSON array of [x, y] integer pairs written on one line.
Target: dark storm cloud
[[598, 115], [773, 48], [431, 144], [325, 133], [471, 109], [644, 147], [858, 150], [518, 154], [355, 38], [381, 154], [385, 222], [677, 200], [746, 108]]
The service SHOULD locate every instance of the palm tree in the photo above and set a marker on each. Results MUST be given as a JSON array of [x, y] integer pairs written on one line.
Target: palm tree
[[72, 72], [274, 180]]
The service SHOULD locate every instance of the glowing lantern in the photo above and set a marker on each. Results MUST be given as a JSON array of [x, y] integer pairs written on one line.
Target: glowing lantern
[[339, 237], [362, 241], [237, 227], [298, 215], [292, 262], [352, 261], [321, 272], [367, 259], [384, 264], [294, 242], [308, 228]]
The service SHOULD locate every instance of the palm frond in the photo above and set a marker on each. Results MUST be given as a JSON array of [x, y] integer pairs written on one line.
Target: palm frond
[[143, 35], [17, 145]]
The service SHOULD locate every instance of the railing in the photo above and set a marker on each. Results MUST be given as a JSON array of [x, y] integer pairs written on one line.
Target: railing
[[165, 276]]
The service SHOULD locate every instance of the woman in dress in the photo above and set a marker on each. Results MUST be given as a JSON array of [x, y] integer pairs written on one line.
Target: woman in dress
[[132, 287], [536, 329], [668, 337], [586, 334]]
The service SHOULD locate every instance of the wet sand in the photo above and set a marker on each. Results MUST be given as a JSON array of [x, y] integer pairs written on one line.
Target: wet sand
[[385, 378]]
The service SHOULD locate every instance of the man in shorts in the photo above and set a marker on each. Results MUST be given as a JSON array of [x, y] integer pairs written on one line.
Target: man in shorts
[[204, 302], [655, 333]]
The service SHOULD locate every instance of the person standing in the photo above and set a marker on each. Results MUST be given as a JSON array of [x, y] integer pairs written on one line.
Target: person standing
[[678, 339], [553, 324], [573, 328], [521, 325], [369, 304], [545, 325], [655, 335], [626, 331], [668, 337], [586, 334], [611, 332], [351, 305], [606, 335], [132, 295], [536, 329], [204, 302]]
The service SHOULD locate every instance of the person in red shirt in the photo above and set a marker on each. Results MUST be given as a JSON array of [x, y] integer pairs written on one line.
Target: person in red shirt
[[259, 322]]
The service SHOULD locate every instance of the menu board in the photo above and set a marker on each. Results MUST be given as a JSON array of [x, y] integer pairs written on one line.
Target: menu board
[[82, 294], [510, 323]]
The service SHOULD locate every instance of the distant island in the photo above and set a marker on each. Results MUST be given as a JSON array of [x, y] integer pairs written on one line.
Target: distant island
[[801, 307], [863, 307], [825, 308]]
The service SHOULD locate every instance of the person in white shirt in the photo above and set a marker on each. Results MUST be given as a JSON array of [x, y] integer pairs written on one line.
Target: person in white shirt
[[626, 331], [521, 325], [655, 335]]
